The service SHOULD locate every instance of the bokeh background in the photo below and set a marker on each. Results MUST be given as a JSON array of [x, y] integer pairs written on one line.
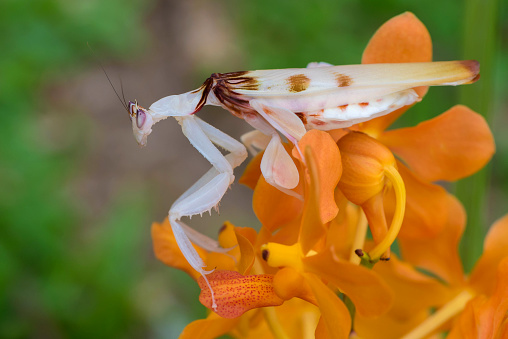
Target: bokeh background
[[78, 196]]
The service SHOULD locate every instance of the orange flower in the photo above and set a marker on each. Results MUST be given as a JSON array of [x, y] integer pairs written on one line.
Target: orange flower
[[449, 147], [230, 270], [309, 272], [478, 303], [369, 171]]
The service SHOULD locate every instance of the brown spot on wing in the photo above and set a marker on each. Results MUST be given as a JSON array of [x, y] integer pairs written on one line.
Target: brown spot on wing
[[302, 117], [298, 83], [240, 80], [318, 122], [232, 74], [343, 80]]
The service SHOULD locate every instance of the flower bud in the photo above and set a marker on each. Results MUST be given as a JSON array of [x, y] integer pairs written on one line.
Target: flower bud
[[364, 160]]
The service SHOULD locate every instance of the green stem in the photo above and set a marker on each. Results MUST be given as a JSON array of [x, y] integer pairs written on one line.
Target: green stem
[[479, 42]]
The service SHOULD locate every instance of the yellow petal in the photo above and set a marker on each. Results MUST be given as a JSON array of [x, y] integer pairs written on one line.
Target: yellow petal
[[449, 147]]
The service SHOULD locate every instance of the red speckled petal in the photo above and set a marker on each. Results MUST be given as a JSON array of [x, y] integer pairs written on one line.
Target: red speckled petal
[[236, 294]]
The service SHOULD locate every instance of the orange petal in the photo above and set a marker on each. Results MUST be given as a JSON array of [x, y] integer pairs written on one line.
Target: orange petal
[[426, 206], [374, 211], [439, 254], [403, 38], [329, 169], [274, 208], [369, 293], [495, 249], [167, 250], [449, 147], [312, 228], [333, 311], [242, 250], [483, 317], [342, 229], [415, 292], [388, 327], [211, 327], [252, 172], [289, 283], [247, 254], [235, 294]]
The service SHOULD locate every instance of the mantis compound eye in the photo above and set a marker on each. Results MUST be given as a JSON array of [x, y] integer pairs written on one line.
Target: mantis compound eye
[[140, 118]]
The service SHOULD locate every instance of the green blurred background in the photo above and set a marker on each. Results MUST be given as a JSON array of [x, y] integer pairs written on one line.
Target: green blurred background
[[78, 196]]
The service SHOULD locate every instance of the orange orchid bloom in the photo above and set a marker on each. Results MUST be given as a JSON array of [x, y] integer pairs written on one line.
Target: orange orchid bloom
[[448, 147], [473, 307], [300, 277], [299, 249]]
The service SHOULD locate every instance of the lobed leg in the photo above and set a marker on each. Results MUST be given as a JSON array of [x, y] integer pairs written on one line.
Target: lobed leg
[[207, 192]]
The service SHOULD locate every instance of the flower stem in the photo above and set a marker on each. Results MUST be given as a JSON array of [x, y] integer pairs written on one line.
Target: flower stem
[[273, 323], [359, 240], [445, 313], [400, 205], [480, 42]]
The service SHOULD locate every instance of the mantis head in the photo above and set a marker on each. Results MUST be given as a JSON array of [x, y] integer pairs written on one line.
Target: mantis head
[[142, 122]]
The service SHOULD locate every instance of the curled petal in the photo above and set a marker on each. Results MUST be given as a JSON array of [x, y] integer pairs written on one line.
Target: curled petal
[[495, 248], [449, 147], [235, 294], [312, 229], [247, 255], [328, 168], [403, 38]]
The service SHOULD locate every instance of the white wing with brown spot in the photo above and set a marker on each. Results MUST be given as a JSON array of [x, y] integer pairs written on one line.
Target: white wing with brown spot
[[309, 89]]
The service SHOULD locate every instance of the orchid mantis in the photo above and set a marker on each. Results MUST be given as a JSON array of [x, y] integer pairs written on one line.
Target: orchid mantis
[[279, 102]]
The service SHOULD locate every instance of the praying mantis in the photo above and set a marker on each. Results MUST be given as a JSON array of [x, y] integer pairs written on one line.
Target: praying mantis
[[286, 102]]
